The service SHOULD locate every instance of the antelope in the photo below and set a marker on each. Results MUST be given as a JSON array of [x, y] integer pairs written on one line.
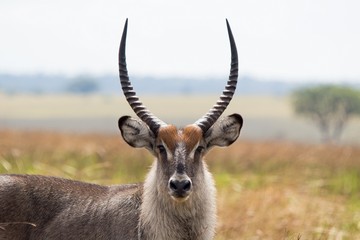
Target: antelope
[[176, 201]]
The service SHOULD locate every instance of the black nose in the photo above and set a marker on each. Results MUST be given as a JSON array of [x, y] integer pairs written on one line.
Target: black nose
[[180, 187]]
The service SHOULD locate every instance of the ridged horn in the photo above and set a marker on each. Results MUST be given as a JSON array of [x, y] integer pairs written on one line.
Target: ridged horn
[[214, 113], [140, 110]]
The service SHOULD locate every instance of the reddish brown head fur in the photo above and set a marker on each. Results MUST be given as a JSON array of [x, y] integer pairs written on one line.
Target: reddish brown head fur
[[190, 135]]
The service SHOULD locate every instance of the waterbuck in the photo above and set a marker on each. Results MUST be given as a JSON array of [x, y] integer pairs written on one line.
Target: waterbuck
[[176, 201]]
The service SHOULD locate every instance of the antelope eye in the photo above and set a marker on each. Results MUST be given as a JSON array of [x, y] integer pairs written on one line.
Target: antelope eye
[[199, 149], [161, 149]]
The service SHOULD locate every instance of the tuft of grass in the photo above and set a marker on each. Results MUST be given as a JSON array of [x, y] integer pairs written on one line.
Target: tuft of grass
[[345, 182]]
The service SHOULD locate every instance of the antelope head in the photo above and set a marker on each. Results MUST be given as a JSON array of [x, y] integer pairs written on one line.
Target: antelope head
[[179, 152]]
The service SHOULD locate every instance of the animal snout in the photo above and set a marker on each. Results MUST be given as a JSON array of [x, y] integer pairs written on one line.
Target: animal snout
[[180, 187], [184, 185]]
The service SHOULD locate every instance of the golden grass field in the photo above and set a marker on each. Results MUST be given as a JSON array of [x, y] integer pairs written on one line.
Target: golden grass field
[[266, 190]]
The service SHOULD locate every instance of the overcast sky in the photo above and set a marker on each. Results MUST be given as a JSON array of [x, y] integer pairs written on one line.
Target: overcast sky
[[282, 39]]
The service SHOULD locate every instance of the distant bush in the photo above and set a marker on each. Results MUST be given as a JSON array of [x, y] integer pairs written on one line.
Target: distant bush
[[83, 85]]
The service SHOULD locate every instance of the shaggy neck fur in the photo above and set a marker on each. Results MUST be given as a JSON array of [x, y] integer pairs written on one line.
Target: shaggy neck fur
[[163, 218]]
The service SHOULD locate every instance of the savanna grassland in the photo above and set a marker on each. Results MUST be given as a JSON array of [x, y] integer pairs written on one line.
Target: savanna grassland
[[266, 190]]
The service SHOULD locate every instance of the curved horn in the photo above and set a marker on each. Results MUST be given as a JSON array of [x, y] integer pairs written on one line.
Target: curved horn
[[140, 110], [214, 113]]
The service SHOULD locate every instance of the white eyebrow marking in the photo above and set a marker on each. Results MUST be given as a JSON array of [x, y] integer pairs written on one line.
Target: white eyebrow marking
[[168, 152]]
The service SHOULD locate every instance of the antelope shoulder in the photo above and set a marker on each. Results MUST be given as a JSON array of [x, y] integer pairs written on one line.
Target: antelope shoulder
[[40, 207]]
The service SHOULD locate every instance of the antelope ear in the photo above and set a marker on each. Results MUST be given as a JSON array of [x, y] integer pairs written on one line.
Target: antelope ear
[[224, 131], [136, 133]]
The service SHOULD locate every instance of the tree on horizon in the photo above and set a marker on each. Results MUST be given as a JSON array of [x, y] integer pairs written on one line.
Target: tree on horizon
[[330, 107]]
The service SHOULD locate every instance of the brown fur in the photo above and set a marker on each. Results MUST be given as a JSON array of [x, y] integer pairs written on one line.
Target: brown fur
[[190, 135], [169, 135]]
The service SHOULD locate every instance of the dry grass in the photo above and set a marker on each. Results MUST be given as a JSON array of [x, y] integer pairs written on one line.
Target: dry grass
[[288, 191], [266, 190]]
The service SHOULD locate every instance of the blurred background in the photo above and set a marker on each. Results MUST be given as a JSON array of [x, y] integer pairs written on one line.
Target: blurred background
[[64, 54], [295, 172]]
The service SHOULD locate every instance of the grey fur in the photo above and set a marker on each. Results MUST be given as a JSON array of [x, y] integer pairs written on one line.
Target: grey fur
[[39, 207]]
